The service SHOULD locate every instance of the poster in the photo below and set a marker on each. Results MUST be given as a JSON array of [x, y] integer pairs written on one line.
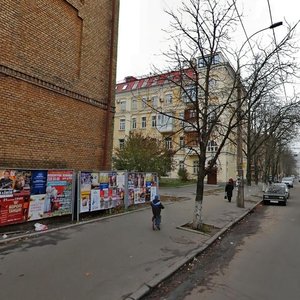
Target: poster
[[27, 195], [58, 199]]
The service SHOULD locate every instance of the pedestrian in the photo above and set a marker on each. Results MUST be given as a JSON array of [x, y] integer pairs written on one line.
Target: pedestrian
[[156, 209], [229, 189]]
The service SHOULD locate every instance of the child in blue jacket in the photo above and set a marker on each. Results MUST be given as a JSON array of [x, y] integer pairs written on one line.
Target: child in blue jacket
[[156, 209]]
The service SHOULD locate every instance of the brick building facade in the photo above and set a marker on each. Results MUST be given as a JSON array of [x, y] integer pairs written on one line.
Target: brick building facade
[[57, 79]]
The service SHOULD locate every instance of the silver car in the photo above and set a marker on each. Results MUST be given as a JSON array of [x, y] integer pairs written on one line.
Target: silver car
[[289, 181]]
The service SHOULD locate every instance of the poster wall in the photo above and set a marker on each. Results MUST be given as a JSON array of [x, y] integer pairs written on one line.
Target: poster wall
[[27, 195], [99, 191]]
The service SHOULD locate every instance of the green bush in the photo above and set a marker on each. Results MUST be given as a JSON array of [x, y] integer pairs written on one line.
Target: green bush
[[183, 174]]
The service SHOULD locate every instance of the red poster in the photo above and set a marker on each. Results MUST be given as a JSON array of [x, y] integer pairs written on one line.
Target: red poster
[[13, 210]]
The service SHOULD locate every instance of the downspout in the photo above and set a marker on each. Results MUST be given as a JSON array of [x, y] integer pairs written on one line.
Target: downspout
[[109, 98]]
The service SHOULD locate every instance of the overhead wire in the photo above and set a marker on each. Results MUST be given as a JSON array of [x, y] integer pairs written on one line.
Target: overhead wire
[[279, 61]]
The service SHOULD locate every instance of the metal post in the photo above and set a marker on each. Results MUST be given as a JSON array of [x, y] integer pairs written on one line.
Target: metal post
[[239, 148]]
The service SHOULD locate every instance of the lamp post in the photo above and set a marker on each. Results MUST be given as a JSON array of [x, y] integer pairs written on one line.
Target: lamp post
[[239, 136]]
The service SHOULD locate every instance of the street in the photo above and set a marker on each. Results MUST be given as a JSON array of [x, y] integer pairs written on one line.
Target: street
[[258, 259]]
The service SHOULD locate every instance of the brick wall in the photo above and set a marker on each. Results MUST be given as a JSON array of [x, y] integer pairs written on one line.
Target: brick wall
[[57, 78]]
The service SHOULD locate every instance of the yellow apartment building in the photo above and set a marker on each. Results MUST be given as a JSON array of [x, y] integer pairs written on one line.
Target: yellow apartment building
[[155, 107]]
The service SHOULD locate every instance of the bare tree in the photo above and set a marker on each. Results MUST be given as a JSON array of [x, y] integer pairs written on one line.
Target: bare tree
[[208, 85]]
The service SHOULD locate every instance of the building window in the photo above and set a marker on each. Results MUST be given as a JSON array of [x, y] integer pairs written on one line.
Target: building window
[[122, 124], [123, 106], [144, 122], [189, 94], [133, 104], [212, 146], [168, 142], [153, 121], [133, 123], [181, 165], [144, 102], [181, 119], [195, 166], [121, 143], [181, 142], [168, 98], [154, 101]]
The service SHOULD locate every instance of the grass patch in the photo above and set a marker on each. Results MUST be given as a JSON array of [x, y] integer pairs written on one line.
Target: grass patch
[[174, 182]]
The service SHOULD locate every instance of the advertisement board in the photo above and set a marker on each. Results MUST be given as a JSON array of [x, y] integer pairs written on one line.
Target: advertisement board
[[27, 195], [99, 191]]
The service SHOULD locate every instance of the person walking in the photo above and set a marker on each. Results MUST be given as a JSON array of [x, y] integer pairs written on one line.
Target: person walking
[[229, 189], [156, 209]]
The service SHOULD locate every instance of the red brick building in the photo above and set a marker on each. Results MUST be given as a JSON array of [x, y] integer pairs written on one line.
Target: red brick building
[[57, 79]]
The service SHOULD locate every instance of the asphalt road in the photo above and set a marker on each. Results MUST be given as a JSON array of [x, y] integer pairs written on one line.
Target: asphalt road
[[258, 260]]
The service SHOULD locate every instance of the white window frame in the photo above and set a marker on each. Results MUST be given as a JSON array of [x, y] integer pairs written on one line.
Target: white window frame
[[123, 105], [153, 121], [122, 124], [168, 98], [133, 104], [133, 123], [169, 142]]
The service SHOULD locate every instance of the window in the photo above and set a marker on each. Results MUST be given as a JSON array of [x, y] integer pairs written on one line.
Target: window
[[165, 122], [181, 142], [212, 111], [144, 102], [212, 146], [123, 106], [168, 98], [181, 117], [189, 95], [168, 142], [153, 121], [154, 101], [144, 122], [195, 167], [181, 165], [133, 104], [122, 124], [121, 143], [133, 123]]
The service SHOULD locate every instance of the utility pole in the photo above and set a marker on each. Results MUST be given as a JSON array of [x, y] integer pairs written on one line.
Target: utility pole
[[239, 146], [239, 133]]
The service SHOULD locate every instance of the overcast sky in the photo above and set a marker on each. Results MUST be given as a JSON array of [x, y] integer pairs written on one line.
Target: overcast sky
[[141, 38]]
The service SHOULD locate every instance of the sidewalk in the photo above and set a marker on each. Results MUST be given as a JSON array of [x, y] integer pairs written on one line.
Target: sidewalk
[[113, 258]]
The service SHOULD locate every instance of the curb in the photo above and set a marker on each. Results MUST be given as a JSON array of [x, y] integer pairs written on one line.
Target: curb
[[148, 286]]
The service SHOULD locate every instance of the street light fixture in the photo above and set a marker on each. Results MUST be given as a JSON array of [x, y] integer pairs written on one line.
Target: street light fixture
[[239, 160]]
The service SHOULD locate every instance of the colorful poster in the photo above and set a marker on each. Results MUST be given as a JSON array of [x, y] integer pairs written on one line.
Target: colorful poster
[[59, 192], [85, 191], [37, 207], [38, 182], [95, 200]]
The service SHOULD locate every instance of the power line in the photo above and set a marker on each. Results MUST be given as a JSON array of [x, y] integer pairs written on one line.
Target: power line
[[244, 29], [274, 35]]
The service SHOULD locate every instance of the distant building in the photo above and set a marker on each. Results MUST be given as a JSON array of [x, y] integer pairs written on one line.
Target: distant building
[[57, 82], [141, 104]]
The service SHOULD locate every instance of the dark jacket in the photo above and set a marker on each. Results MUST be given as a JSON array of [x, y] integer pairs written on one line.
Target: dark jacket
[[229, 188], [156, 207]]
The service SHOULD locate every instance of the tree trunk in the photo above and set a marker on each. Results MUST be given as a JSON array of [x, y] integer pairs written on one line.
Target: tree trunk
[[197, 218]]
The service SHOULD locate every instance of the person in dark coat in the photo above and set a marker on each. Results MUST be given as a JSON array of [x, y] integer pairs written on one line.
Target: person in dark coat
[[156, 206], [229, 189]]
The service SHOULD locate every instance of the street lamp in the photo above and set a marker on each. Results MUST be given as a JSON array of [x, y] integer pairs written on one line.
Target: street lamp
[[239, 148]]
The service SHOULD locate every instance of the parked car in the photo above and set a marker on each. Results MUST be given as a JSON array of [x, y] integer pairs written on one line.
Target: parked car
[[287, 190], [275, 193], [289, 181]]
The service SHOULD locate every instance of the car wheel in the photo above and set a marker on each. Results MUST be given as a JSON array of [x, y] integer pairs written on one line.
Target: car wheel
[[284, 203], [266, 202]]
